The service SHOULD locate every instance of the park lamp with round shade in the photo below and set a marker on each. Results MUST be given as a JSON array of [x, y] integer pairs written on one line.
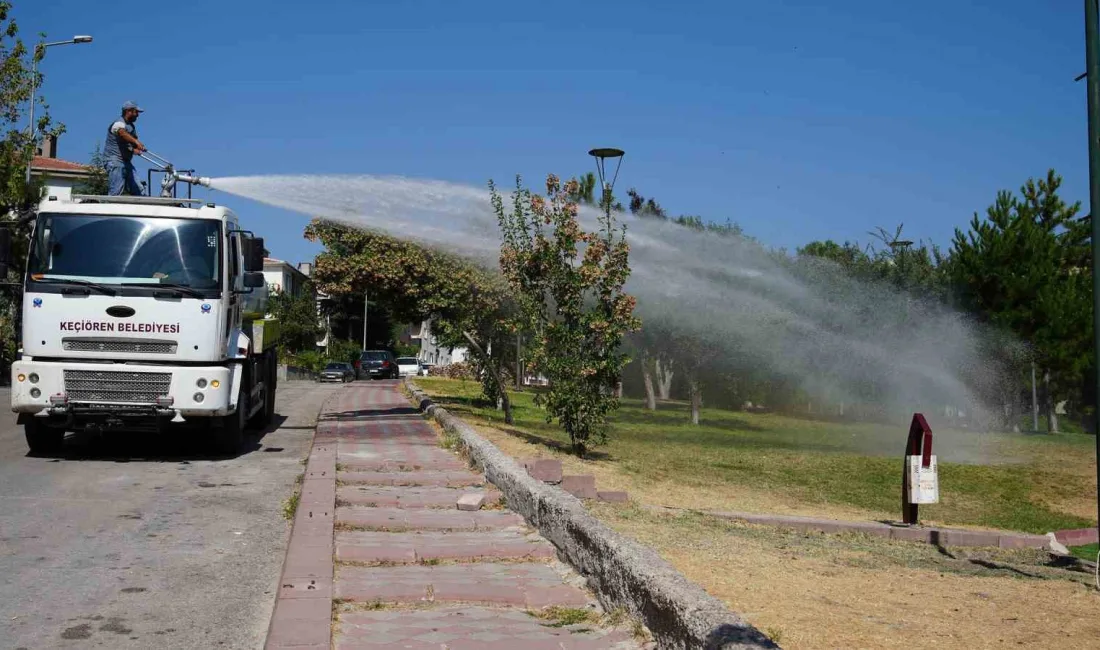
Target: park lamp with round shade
[[601, 155], [75, 40]]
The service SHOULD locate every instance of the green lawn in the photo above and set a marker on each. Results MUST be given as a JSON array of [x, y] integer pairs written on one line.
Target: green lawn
[[1020, 482], [1086, 552]]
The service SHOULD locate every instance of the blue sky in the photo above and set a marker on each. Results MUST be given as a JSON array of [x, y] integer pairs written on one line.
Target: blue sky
[[800, 122]]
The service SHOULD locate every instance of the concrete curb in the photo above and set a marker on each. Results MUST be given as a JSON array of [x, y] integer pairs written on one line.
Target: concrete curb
[[928, 535], [1077, 537], [622, 572]]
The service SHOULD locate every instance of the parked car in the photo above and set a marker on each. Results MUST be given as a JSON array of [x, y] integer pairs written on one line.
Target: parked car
[[377, 364], [408, 366], [425, 368], [337, 371]]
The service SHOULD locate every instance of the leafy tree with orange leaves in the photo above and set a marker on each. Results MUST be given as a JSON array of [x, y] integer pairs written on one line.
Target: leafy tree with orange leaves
[[568, 284]]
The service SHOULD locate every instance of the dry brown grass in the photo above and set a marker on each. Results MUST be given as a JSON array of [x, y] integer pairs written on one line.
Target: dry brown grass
[[829, 591]]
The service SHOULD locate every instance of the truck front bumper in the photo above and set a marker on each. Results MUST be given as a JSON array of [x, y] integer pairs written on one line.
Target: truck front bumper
[[59, 388]]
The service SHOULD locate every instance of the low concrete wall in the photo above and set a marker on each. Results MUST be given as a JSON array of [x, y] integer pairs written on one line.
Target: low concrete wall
[[622, 572], [294, 373]]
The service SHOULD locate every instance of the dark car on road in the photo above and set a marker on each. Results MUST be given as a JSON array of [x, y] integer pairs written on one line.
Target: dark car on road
[[336, 371], [377, 364]]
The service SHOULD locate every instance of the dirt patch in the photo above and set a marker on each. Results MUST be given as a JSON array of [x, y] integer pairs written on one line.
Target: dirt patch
[[115, 624], [82, 631], [815, 590]]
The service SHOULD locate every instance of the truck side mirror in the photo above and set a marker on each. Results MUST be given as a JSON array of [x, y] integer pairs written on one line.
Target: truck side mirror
[[5, 252], [254, 254], [254, 279]]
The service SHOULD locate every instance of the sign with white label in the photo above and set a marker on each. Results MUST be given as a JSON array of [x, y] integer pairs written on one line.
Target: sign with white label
[[924, 482]]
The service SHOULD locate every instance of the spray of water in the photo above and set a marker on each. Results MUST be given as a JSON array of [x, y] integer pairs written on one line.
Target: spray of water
[[805, 320]]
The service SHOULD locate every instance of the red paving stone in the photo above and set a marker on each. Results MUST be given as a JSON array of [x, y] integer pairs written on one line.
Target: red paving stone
[[402, 463], [354, 546], [460, 478], [408, 497], [400, 519], [402, 487], [530, 584], [467, 628]]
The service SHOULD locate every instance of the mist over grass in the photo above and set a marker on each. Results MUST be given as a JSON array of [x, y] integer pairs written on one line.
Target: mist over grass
[[744, 306]]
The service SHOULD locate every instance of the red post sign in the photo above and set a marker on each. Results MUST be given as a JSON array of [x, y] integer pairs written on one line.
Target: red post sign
[[919, 444]]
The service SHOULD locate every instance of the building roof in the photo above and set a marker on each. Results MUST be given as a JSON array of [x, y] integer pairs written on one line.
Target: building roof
[[56, 165]]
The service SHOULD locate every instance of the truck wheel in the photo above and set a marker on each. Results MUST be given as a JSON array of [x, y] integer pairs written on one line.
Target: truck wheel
[[267, 413], [43, 439], [230, 436]]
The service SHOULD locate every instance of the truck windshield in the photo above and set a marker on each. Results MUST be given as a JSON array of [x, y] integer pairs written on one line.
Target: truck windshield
[[111, 249]]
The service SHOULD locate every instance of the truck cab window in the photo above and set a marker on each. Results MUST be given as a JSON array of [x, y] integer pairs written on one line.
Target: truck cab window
[[119, 250]]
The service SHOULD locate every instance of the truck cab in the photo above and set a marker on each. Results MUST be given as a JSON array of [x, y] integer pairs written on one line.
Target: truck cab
[[142, 314]]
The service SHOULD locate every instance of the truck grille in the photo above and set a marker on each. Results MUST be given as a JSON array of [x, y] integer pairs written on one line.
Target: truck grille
[[138, 346], [116, 386]]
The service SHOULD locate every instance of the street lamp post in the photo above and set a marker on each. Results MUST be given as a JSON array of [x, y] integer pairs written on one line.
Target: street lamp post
[[76, 40], [601, 155], [1092, 71]]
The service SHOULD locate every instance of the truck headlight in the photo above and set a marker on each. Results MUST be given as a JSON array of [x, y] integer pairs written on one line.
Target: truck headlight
[[215, 383], [201, 383], [198, 397], [21, 377], [33, 377], [35, 393]]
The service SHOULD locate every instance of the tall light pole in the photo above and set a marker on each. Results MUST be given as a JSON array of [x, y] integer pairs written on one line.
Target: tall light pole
[[1092, 70], [366, 306], [75, 40], [601, 155]]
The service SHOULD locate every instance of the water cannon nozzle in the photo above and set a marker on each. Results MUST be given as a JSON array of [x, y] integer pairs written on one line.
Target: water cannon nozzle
[[195, 180]]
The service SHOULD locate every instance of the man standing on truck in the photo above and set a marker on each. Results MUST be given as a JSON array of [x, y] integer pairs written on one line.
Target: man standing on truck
[[122, 144]]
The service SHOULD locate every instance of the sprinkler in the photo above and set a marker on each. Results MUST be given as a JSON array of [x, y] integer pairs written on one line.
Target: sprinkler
[[171, 176]]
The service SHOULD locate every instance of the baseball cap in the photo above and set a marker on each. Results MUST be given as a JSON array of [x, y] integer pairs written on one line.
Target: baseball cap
[[128, 105]]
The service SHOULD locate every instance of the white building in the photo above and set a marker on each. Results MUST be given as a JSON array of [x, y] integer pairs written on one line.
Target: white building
[[281, 277], [58, 176], [432, 352]]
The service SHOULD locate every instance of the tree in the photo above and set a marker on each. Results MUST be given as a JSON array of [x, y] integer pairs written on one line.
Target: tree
[[468, 305], [569, 288], [16, 144], [298, 320], [96, 183], [586, 189], [643, 207], [1024, 268]]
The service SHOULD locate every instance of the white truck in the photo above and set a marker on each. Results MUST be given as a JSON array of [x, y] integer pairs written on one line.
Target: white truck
[[142, 314]]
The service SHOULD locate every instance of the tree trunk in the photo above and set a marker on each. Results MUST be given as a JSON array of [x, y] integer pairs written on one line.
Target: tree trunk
[[696, 399], [647, 377], [619, 389], [664, 379], [497, 375], [1049, 405]]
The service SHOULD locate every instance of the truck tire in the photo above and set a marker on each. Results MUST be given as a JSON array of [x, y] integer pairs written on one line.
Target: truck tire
[[229, 437], [265, 415], [43, 439]]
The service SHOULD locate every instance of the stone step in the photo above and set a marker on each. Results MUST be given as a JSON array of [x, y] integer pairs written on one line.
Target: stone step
[[529, 585], [401, 519], [401, 462], [406, 548], [468, 628], [461, 478], [408, 497]]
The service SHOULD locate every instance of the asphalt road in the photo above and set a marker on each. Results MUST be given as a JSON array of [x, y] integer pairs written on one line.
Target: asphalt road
[[147, 542]]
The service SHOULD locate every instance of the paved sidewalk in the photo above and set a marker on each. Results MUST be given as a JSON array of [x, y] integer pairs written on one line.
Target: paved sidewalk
[[381, 553]]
